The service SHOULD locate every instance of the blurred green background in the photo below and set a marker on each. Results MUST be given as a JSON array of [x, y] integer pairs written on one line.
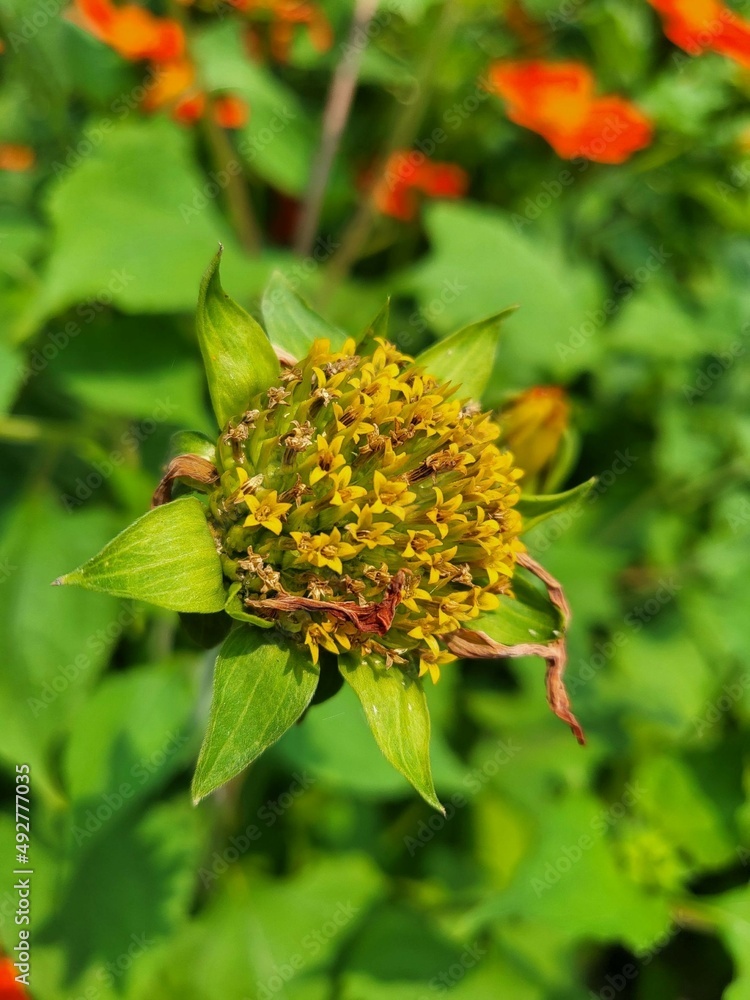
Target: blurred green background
[[559, 873]]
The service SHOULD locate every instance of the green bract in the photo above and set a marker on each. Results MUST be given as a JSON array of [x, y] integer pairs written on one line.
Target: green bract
[[357, 519]]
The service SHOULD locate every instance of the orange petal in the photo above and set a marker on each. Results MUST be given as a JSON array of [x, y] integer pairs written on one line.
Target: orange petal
[[444, 180], [189, 109], [97, 16], [281, 34], [320, 32], [10, 988], [132, 31], [543, 96], [557, 101], [734, 41], [685, 20], [400, 203], [231, 111], [16, 158], [171, 81], [698, 25], [613, 131], [170, 42]]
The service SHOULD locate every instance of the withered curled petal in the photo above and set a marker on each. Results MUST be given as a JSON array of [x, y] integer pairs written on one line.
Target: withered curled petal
[[376, 617], [192, 468], [474, 644], [554, 587]]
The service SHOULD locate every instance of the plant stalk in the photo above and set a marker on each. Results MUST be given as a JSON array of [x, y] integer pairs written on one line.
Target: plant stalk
[[403, 133], [335, 116]]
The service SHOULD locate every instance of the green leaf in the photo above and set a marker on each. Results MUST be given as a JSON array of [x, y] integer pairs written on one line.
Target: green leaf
[[236, 609], [11, 376], [279, 142], [672, 800], [131, 227], [277, 910], [534, 509], [466, 357], [262, 685], [130, 737], [61, 639], [138, 872], [167, 557], [292, 325], [238, 356], [336, 746], [637, 916], [530, 616], [396, 711], [730, 912], [132, 367], [479, 262]]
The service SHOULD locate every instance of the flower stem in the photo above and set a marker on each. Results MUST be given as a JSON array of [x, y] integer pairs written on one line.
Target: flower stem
[[238, 202], [335, 116], [402, 134]]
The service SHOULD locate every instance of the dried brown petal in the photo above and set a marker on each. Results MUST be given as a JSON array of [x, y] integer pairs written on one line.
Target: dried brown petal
[[376, 617], [192, 468], [474, 644]]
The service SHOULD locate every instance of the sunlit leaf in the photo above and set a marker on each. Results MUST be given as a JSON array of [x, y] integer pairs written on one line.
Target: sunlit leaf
[[167, 557], [397, 713], [262, 685]]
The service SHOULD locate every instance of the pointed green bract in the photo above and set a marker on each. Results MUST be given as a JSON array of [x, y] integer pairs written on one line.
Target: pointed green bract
[[377, 328], [192, 443], [467, 356], [528, 616], [534, 509], [292, 325], [167, 557], [237, 355], [397, 714], [262, 685]]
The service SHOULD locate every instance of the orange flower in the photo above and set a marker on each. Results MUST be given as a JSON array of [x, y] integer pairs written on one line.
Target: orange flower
[[282, 16], [231, 111], [408, 172], [132, 31], [557, 100], [16, 158], [170, 82], [533, 423], [697, 25], [189, 108], [174, 86], [10, 989]]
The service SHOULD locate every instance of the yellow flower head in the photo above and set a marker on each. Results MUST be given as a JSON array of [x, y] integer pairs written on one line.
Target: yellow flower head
[[377, 511]]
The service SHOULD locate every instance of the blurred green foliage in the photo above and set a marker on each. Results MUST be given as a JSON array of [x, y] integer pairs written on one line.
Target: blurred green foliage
[[619, 870]]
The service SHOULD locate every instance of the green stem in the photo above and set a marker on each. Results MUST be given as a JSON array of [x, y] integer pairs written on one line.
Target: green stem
[[238, 202], [224, 158], [335, 116], [403, 133]]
